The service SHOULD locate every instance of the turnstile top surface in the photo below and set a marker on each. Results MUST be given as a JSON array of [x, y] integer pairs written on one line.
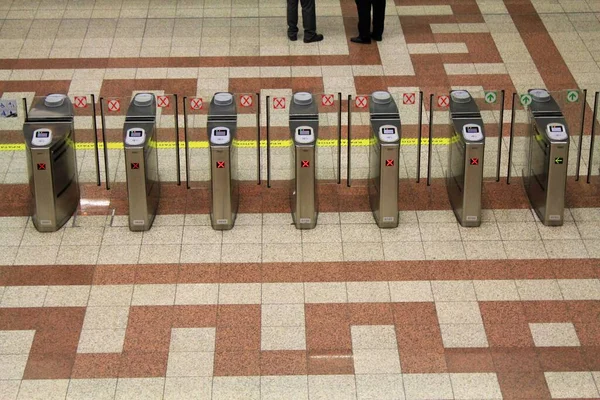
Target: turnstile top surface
[[222, 105], [461, 102], [543, 103], [50, 108], [143, 105], [303, 105]]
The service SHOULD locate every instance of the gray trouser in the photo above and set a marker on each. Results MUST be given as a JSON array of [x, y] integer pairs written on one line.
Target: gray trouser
[[309, 17]]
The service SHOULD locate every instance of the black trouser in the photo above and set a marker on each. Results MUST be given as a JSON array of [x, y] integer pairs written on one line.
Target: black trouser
[[364, 17], [309, 17]]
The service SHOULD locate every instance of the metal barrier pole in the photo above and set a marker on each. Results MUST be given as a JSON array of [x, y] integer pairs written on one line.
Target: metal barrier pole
[[186, 140], [95, 127], [339, 143], [583, 106], [349, 144], [500, 131], [258, 137], [103, 120], [592, 139], [429, 145], [177, 157], [420, 136], [510, 142], [268, 99]]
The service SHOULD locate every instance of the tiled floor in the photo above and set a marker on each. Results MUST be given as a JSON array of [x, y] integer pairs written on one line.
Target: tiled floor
[[430, 310]]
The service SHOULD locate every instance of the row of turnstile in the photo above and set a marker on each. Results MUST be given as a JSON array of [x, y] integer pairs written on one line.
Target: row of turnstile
[[49, 136]]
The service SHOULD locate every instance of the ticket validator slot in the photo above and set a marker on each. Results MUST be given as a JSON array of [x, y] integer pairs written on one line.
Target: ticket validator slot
[[545, 177], [224, 187], [49, 135], [141, 161], [304, 130], [464, 178], [384, 159]]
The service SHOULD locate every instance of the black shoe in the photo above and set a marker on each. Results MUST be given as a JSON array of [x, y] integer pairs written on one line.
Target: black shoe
[[293, 38], [360, 40], [316, 38], [376, 38]]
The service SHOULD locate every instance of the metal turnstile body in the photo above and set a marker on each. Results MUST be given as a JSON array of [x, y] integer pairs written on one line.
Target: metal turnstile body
[[141, 161], [51, 161], [464, 178], [304, 129], [547, 158], [384, 158], [222, 126]]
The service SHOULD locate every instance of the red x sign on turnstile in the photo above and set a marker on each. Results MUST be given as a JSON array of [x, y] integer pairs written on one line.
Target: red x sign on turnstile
[[327, 99], [135, 165], [443, 101], [114, 105], [163, 101], [361, 101], [246, 100], [408, 98], [196, 104], [389, 163], [474, 161], [305, 164], [80, 101], [220, 164], [279, 103], [41, 166]]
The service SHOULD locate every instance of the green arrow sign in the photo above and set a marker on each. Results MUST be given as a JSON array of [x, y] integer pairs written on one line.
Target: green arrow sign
[[573, 96], [558, 160], [526, 99], [490, 97]]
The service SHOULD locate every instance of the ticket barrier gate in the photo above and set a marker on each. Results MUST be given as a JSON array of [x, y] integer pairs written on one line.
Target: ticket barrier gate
[[464, 178], [51, 161], [141, 161], [384, 157], [547, 158], [222, 126], [304, 129]]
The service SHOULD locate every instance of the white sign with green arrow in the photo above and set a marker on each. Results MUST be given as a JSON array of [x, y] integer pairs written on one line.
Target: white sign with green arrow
[[573, 96], [526, 99], [491, 97]]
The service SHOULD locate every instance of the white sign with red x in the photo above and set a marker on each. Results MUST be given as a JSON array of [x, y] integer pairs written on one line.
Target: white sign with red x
[[279, 103], [327, 99], [361, 101], [114, 105], [443, 101], [196, 103], [163, 101], [246, 100], [408, 98], [80, 101]]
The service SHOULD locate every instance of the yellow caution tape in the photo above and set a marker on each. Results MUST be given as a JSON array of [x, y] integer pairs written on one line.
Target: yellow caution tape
[[246, 144]]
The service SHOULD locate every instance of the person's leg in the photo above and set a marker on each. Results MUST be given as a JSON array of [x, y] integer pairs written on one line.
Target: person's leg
[[292, 18], [364, 18], [309, 18], [378, 18]]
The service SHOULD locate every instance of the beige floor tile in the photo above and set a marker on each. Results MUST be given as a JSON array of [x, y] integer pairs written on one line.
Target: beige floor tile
[[195, 220], [243, 234], [441, 231], [67, 296], [16, 342], [444, 250], [567, 231], [105, 318], [101, 389], [322, 252], [119, 235], [154, 295], [565, 248], [580, 289], [188, 388], [281, 234], [379, 386], [36, 255], [140, 388], [118, 254], [496, 290], [360, 233], [331, 387], [196, 293], [520, 231], [159, 254], [453, 291], [232, 253], [403, 251], [282, 293], [463, 335], [322, 234], [282, 252], [487, 231], [405, 232], [475, 386], [77, 255], [518, 215], [376, 361], [110, 295], [571, 385], [356, 218], [87, 236], [411, 291], [532, 289], [188, 364], [465, 312], [373, 337], [31, 237], [554, 334], [484, 250], [427, 386], [368, 292], [436, 216], [283, 338], [284, 387], [593, 248], [11, 236], [12, 366], [192, 340], [236, 388], [239, 293], [200, 234], [43, 389], [325, 292], [525, 249], [8, 254], [10, 388], [282, 315], [101, 341], [23, 296], [200, 253]]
